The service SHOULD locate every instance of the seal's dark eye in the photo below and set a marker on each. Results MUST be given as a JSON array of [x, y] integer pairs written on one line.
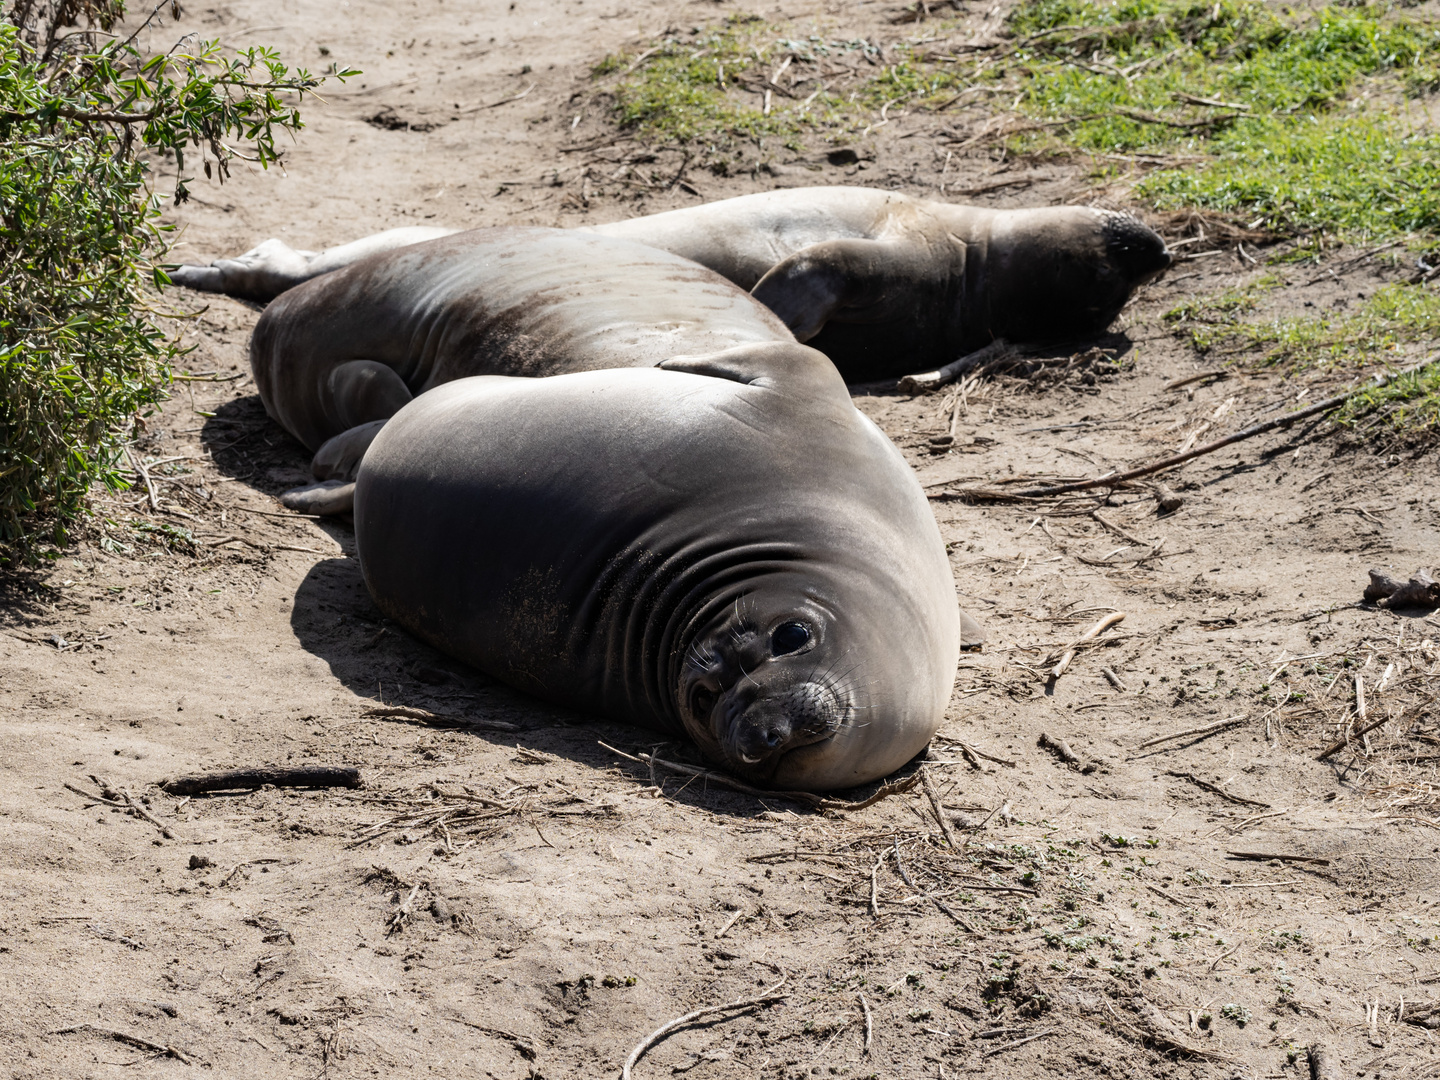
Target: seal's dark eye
[[702, 701], [789, 637]]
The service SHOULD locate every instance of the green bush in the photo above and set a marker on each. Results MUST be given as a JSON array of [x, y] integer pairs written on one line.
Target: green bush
[[82, 112]]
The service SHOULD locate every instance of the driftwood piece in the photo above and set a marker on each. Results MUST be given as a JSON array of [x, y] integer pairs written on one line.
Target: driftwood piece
[[1421, 591], [240, 779]]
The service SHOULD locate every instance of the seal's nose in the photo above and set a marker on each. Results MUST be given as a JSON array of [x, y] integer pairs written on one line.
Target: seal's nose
[[758, 738], [1136, 250]]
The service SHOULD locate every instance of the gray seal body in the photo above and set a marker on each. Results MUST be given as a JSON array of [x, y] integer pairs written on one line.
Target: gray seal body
[[683, 522], [883, 283], [886, 284]]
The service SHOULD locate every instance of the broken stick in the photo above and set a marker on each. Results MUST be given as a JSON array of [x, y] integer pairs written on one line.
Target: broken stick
[[1089, 635], [1062, 750], [239, 779], [768, 997], [1209, 729], [129, 1040], [933, 794], [808, 798], [998, 349], [1347, 739], [946, 908]]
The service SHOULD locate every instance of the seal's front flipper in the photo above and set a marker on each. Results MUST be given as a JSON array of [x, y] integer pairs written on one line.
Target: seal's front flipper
[[361, 392], [862, 280], [328, 498], [771, 365], [339, 458], [972, 634]]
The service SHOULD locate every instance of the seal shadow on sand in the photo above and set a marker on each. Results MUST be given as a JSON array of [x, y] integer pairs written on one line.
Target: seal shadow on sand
[[334, 619]]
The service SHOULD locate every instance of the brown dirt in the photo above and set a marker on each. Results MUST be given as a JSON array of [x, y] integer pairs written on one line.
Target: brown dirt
[[590, 900]]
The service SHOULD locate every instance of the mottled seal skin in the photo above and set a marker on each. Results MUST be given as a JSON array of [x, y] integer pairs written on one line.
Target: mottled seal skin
[[882, 283], [684, 523]]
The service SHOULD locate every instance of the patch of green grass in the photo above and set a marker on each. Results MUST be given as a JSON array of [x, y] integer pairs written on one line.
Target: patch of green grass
[[1383, 331], [1292, 119], [711, 87], [1296, 119]]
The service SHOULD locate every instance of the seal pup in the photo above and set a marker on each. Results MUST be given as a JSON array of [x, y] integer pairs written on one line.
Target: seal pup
[[882, 283], [684, 523]]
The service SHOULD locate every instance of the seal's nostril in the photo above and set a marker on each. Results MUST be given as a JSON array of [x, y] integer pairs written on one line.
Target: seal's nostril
[[774, 737]]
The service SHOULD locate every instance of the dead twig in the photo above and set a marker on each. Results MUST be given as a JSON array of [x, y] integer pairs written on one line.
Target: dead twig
[[425, 716], [998, 349], [1112, 479], [808, 798], [241, 779], [1114, 680], [140, 811], [1062, 750], [933, 795], [1265, 856], [1089, 635], [768, 997], [129, 1040], [1351, 736], [1155, 1034], [1215, 789], [1178, 383], [905, 877], [497, 104], [1019, 1042], [1199, 732], [402, 913], [869, 1023]]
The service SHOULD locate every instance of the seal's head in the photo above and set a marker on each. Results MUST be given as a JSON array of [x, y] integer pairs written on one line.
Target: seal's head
[[789, 689], [1064, 271]]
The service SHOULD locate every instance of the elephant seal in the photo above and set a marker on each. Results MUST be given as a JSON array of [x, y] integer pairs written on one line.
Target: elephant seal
[[685, 525], [882, 283]]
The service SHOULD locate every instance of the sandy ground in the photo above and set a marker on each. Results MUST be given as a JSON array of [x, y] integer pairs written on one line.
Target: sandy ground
[[510, 896]]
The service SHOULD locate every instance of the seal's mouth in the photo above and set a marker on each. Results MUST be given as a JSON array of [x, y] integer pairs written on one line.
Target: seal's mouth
[[755, 734]]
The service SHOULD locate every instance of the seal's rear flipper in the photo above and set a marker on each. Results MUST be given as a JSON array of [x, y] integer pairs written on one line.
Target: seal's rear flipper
[[268, 269], [972, 634], [328, 498], [339, 458], [771, 365], [261, 274]]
